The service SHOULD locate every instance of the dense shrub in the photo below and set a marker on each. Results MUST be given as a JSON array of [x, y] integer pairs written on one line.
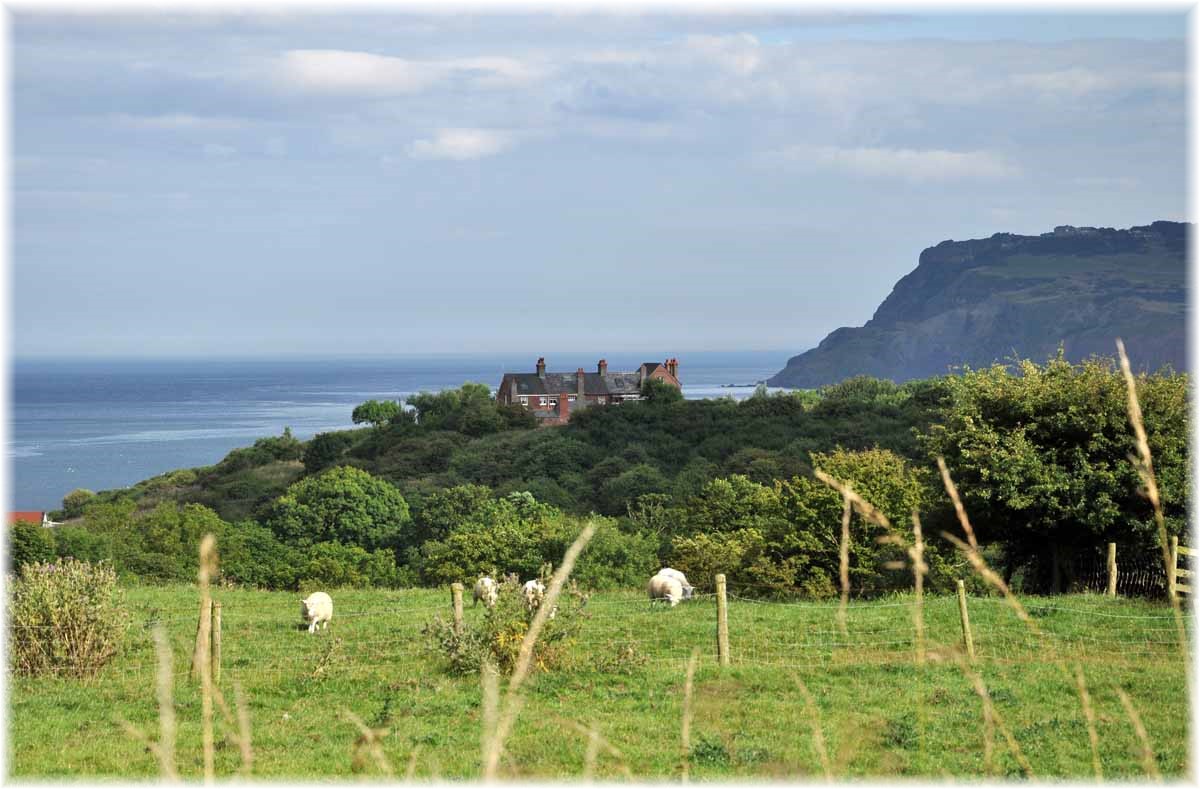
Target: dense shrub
[[344, 504], [78, 542], [74, 502], [332, 564], [326, 449], [27, 543], [66, 618], [251, 555], [496, 637]]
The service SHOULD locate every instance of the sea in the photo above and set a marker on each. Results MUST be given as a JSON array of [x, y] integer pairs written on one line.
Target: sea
[[103, 424]]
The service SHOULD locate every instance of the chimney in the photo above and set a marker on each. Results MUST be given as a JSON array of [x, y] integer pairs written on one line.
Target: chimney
[[641, 376], [541, 367], [602, 367], [512, 391], [579, 382], [673, 367], [564, 407]]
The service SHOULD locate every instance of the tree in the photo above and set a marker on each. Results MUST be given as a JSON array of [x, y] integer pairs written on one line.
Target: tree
[[74, 502], [326, 449], [376, 413], [29, 543], [659, 391], [343, 504], [1040, 455]]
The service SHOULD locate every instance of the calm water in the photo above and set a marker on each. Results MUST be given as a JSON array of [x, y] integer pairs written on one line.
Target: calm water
[[104, 424]]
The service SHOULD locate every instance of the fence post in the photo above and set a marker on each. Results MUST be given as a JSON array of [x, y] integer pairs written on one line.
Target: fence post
[[722, 622], [216, 642], [1112, 569], [966, 621], [1174, 565], [203, 636], [456, 593]]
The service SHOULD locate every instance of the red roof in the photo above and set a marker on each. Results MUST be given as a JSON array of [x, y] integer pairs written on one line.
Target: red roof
[[31, 517]]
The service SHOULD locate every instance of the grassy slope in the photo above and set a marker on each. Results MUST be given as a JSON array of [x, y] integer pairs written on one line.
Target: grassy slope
[[880, 714]]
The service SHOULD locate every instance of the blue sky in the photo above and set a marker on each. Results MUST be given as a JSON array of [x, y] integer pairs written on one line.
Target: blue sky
[[286, 182]]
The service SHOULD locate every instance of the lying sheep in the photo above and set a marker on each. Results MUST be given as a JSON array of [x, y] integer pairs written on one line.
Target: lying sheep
[[486, 590], [315, 609], [670, 585]]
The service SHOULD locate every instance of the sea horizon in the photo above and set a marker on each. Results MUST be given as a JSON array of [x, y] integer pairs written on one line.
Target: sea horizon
[[108, 422]]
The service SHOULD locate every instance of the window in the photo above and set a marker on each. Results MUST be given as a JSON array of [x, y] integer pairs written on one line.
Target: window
[[553, 402], [570, 398], [541, 401]]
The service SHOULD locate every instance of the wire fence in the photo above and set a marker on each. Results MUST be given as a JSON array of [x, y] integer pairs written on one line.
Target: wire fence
[[269, 644]]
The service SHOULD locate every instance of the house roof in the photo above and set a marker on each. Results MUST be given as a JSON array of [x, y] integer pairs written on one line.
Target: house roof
[[29, 516], [556, 383]]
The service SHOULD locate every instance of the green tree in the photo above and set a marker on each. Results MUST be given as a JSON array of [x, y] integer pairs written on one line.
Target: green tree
[[326, 449], [74, 502], [658, 391], [344, 504], [1040, 454], [376, 412], [29, 543]]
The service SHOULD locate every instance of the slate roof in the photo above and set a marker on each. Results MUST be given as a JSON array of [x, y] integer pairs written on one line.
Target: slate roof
[[556, 383]]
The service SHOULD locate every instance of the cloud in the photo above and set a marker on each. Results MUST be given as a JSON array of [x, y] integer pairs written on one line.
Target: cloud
[[461, 144], [177, 121], [905, 163], [215, 151], [337, 71]]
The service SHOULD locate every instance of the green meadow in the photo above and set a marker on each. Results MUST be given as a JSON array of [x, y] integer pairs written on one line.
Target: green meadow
[[878, 712]]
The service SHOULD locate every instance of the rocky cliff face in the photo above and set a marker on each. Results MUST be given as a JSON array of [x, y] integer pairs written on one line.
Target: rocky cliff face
[[980, 301]]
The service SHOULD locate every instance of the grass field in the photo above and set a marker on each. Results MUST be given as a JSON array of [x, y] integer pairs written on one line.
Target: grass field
[[879, 713]]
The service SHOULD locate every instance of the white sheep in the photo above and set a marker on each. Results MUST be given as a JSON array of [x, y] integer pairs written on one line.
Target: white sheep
[[486, 590], [315, 609], [533, 592], [670, 585]]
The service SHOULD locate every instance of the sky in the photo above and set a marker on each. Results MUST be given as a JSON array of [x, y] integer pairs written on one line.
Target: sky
[[288, 182]]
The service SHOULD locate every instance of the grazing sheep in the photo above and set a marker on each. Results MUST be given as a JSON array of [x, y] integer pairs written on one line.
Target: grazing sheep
[[315, 609], [486, 590], [533, 592], [670, 585]]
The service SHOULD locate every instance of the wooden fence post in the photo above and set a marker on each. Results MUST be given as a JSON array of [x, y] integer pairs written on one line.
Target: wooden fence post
[[966, 621], [216, 642], [1174, 564], [203, 636], [722, 622], [456, 593], [1112, 569]]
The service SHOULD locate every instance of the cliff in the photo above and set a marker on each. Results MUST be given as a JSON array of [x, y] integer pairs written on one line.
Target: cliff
[[980, 301]]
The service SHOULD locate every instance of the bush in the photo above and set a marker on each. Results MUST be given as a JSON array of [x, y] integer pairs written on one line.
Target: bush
[[332, 564], [67, 619], [74, 502], [28, 543], [251, 555], [78, 542], [496, 638]]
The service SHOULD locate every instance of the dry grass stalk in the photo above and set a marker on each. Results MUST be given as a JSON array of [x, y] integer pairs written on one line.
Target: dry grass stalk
[[166, 704], [593, 732], [685, 733], [489, 680], [411, 772], [958, 505], [917, 554], [512, 701], [864, 507], [1085, 701], [844, 564], [369, 740], [592, 754], [814, 716], [988, 574], [208, 566], [154, 747], [243, 716], [1144, 463], [1148, 763], [991, 716]]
